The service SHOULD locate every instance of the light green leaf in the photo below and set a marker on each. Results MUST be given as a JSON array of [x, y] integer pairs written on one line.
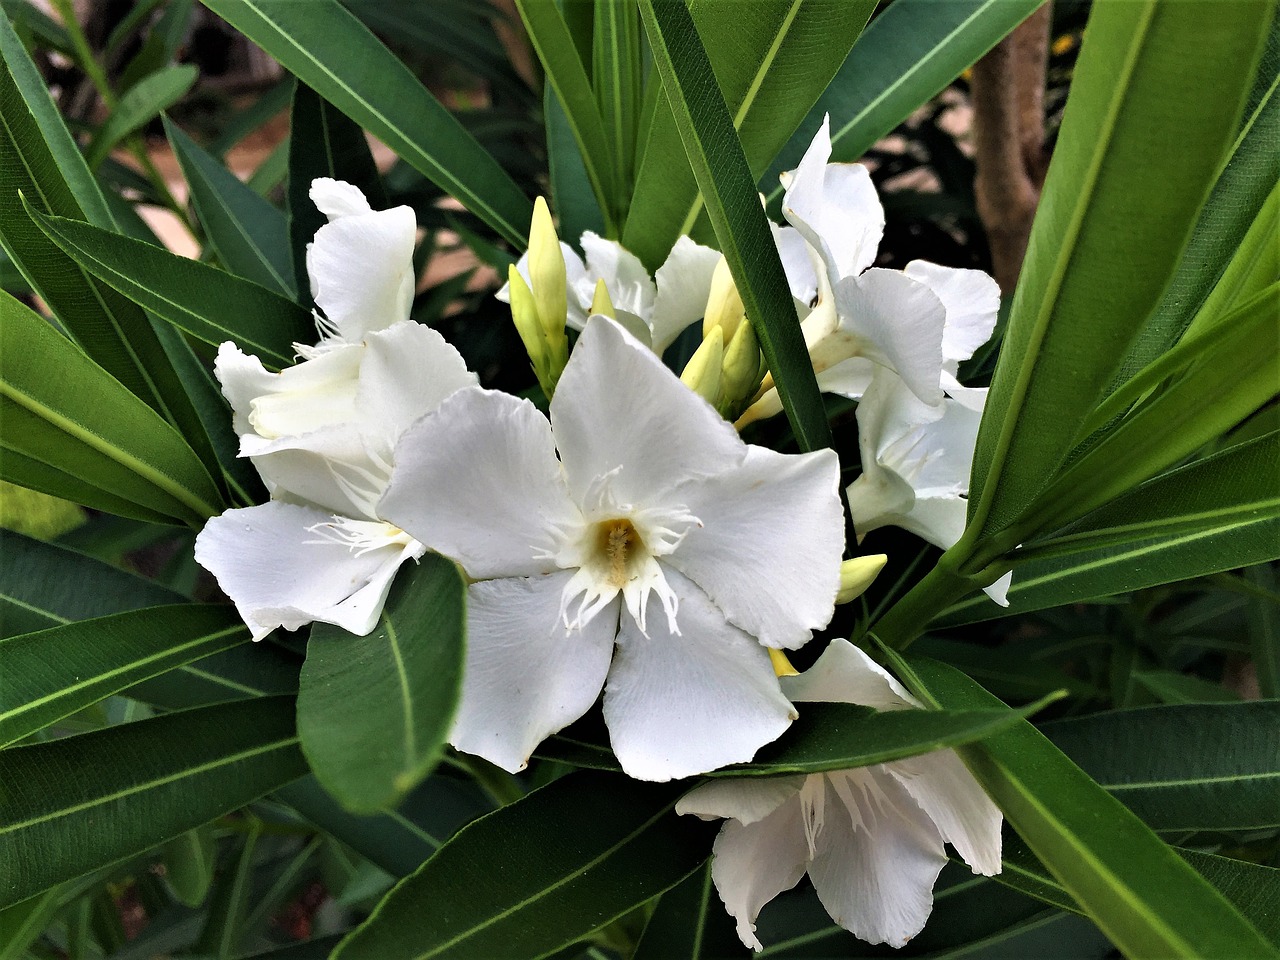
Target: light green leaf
[[330, 51], [1169, 686], [374, 711], [65, 418], [189, 862], [711, 144], [569, 870], [249, 235], [143, 103], [50, 674], [206, 302], [74, 804]]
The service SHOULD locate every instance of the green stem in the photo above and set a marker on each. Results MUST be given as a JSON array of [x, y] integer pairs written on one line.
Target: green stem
[[910, 615]]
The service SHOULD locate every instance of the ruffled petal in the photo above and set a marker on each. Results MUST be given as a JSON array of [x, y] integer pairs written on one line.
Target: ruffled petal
[[878, 857], [328, 468], [756, 862], [630, 287], [971, 299], [895, 321], [361, 269], [835, 208], [681, 704], [243, 379], [617, 406], [478, 481], [407, 371], [337, 198], [745, 799], [768, 551], [844, 674], [684, 281], [958, 806], [308, 396], [281, 571], [526, 676]]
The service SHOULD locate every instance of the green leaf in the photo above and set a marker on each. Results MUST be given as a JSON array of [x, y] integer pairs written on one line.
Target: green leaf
[[618, 71], [689, 921], [1264, 628], [571, 197], [229, 906], [1169, 686], [53, 673], [322, 143], [142, 104], [566, 75], [1140, 146], [330, 51], [206, 302], [188, 862], [711, 144], [912, 50], [576, 854], [23, 923], [249, 235], [74, 804], [1191, 766], [65, 418], [374, 711], [1136, 888]]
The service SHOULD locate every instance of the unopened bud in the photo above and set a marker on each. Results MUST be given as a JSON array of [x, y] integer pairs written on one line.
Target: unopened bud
[[858, 574], [702, 372], [547, 272], [781, 665], [524, 313], [602, 303], [724, 305], [740, 371]]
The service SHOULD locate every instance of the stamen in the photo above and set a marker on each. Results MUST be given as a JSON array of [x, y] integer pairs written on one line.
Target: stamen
[[359, 536]]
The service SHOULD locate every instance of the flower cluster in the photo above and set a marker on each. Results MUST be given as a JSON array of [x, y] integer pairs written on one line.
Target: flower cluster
[[630, 543]]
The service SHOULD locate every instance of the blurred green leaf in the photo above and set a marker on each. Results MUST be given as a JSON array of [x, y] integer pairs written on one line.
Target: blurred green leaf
[[249, 235], [188, 861], [569, 869], [206, 302], [690, 921], [229, 906], [330, 51], [711, 145], [144, 101], [1169, 686], [66, 418], [53, 673], [74, 804], [374, 711], [1264, 628]]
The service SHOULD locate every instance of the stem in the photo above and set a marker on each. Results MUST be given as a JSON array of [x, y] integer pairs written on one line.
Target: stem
[[501, 786], [910, 615]]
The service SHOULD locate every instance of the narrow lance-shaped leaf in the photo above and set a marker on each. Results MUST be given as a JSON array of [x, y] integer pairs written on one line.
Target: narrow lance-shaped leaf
[[142, 104], [74, 804], [711, 144], [333, 53], [374, 711]]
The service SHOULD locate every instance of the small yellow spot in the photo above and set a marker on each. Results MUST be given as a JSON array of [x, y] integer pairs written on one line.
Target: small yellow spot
[[1063, 44], [619, 542], [781, 665]]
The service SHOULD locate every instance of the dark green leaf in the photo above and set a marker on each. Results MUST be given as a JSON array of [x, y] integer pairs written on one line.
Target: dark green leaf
[[189, 861], [581, 851], [711, 144], [74, 804], [690, 921], [571, 197], [142, 104], [229, 906], [1169, 686], [374, 711]]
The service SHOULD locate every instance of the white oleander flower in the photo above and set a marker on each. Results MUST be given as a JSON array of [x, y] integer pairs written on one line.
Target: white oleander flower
[[657, 552], [321, 432], [870, 838]]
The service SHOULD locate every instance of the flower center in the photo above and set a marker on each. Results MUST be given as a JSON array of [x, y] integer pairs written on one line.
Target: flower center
[[619, 545]]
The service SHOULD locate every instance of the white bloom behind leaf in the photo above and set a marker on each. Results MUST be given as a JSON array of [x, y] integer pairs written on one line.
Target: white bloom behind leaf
[[321, 433], [656, 529], [870, 838]]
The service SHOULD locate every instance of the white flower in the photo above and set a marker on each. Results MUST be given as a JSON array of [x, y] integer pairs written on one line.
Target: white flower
[[321, 433], [870, 838], [916, 461], [653, 312], [656, 530]]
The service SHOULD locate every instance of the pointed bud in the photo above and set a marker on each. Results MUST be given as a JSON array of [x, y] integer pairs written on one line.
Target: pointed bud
[[740, 371], [781, 665], [547, 271], [524, 313], [602, 303], [724, 305], [858, 574], [702, 372]]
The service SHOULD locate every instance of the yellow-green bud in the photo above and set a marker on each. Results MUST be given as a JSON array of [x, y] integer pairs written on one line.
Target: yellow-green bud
[[740, 371], [858, 574], [781, 665], [724, 305], [547, 272], [602, 303], [524, 313], [702, 372]]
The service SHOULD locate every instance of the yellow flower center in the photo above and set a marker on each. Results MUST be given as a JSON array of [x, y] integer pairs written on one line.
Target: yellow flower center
[[619, 543]]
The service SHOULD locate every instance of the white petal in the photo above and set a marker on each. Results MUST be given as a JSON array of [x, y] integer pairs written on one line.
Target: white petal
[[328, 468], [973, 398], [243, 378], [756, 862], [999, 590], [618, 406], [678, 705], [337, 198], [876, 867], [768, 551], [581, 288], [279, 572], [684, 281], [849, 378], [526, 676], [895, 321], [361, 269], [835, 208], [844, 674], [478, 481], [407, 371], [630, 287], [972, 300], [745, 799], [308, 396], [939, 520], [793, 250], [961, 809]]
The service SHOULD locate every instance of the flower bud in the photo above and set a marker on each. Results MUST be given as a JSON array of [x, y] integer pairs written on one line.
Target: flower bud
[[524, 313], [781, 665], [740, 371], [547, 272], [602, 303], [702, 372], [724, 305], [858, 574]]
